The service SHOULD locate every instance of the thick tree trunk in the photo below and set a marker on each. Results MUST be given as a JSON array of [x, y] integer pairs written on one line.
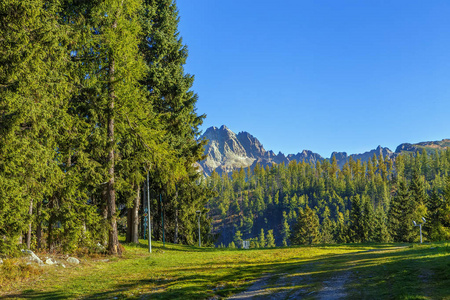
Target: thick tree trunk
[[129, 222], [113, 241], [39, 226], [50, 226], [175, 238], [133, 219], [104, 210], [30, 212]]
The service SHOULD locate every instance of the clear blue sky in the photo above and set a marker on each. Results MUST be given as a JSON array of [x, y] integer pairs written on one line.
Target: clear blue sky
[[321, 75]]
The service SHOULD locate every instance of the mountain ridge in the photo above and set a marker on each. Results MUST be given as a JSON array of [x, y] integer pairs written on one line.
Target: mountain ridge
[[227, 151]]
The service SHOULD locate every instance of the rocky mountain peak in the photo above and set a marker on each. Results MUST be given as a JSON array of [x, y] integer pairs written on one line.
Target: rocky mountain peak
[[227, 151]]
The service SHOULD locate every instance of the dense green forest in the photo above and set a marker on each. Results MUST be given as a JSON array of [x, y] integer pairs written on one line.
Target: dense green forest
[[303, 203], [94, 98]]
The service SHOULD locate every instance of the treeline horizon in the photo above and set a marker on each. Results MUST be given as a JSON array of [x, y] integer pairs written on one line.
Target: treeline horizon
[[94, 98], [305, 203]]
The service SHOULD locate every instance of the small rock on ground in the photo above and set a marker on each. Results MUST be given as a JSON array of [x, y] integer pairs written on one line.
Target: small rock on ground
[[73, 260], [33, 257], [50, 261]]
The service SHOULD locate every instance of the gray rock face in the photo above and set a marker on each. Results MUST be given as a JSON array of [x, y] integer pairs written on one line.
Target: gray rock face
[[305, 155], [342, 158], [227, 151], [418, 147], [32, 257], [73, 260], [405, 147]]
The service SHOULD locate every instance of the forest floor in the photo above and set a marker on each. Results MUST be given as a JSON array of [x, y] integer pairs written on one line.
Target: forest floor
[[356, 271]]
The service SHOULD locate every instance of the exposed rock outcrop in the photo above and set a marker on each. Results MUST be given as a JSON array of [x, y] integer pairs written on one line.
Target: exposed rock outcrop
[[73, 260], [32, 257], [227, 151]]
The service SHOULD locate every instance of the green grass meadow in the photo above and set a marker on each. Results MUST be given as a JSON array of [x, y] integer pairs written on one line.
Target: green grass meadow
[[374, 271]]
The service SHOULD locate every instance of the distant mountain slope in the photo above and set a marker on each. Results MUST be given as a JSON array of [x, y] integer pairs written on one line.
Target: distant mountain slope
[[428, 146], [227, 151], [342, 158]]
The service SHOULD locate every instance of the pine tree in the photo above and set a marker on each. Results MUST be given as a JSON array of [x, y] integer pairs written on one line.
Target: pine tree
[[285, 231], [238, 239], [35, 85], [327, 228], [340, 232], [111, 101], [381, 232], [356, 227], [270, 240], [262, 239], [173, 101], [368, 221], [419, 200], [400, 215], [433, 228], [306, 229], [445, 209]]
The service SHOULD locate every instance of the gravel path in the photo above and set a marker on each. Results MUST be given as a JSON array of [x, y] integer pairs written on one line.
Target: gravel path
[[292, 286], [257, 289], [278, 286], [335, 287]]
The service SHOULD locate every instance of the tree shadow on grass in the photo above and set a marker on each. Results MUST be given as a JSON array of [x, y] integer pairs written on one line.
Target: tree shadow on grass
[[393, 274], [173, 247], [32, 294]]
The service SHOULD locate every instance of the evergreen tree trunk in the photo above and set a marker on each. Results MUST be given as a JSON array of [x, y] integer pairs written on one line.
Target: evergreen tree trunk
[[30, 212], [104, 210], [39, 227], [50, 226], [113, 241], [129, 225], [175, 238], [134, 224]]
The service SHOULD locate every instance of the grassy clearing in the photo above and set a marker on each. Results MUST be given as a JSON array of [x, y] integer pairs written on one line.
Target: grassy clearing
[[376, 271]]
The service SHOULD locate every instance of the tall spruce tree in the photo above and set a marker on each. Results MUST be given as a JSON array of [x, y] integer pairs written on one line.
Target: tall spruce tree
[[418, 198], [327, 227], [270, 239], [400, 215], [34, 87], [381, 232], [111, 101], [434, 227], [170, 93], [285, 230], [356, 226], [306, 229]]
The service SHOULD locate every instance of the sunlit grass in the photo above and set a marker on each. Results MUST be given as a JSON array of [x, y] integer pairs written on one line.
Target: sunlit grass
[[175, 271]]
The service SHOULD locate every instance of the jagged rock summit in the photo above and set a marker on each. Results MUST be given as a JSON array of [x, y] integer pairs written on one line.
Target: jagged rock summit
[[227, 151], [342, 157]]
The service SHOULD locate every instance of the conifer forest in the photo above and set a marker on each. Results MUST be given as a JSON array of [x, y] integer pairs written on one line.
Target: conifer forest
[[305, 203], [93, 99], [97, 115]]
